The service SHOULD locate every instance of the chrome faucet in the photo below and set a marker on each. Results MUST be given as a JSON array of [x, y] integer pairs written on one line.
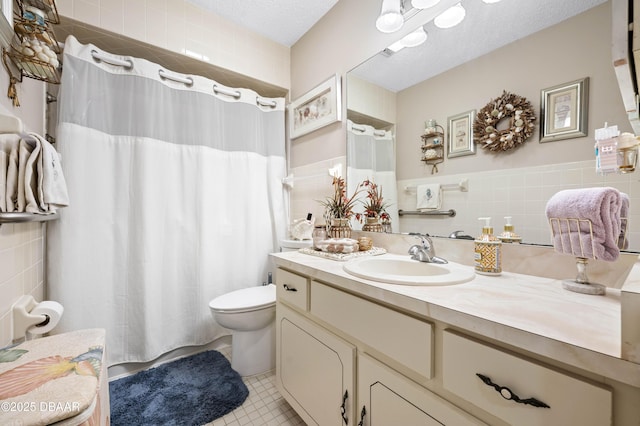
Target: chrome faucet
[[425, 252]]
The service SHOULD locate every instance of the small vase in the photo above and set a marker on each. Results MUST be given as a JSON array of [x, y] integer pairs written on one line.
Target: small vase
[[340, 228], [372, 224]]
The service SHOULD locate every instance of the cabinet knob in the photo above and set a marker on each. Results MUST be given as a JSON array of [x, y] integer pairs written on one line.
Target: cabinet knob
[[508, 394], [286, 287]]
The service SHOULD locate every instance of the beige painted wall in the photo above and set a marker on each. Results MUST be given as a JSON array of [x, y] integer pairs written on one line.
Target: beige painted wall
[[179, 26], [345, 37], [576, 48]]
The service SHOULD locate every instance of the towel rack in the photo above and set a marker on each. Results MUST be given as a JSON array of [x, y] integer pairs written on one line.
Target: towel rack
[[450, 213], [21, 217], [334, 171], [575, 236], [12, 124], [462, 186]]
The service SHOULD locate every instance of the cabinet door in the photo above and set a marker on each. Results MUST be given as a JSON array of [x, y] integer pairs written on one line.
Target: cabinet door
[[385, 397], [314, 370]]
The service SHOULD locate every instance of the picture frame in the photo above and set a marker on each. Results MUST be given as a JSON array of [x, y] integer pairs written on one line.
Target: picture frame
[[460, 134], [317, 108], [564, 111]]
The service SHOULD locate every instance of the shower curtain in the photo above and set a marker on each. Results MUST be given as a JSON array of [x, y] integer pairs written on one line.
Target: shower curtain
[[176, 197], [371, 155]]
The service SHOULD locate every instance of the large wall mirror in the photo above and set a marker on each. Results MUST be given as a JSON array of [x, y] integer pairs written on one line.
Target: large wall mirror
[[519, 46]]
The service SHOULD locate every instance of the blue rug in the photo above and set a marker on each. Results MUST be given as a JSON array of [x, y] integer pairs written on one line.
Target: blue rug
[[189, 391]]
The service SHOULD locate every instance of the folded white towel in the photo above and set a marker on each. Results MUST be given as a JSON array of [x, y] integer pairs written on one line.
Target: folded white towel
[[8, 143], [30, 180], [11, 191], [429, 196], [52, 187]]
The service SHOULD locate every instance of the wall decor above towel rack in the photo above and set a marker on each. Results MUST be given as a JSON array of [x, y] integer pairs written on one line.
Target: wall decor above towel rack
[[462, 186], [450, 213]]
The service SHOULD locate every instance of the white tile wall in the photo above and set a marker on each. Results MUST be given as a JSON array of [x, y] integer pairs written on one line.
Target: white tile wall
[[311, 184], [21, 269], [521, 193]]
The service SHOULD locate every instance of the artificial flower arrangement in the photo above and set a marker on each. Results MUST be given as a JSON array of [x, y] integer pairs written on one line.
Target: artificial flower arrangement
[[374, 204], [340, 206]]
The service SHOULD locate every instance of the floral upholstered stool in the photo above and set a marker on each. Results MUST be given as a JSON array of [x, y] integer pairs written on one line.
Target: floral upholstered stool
[[60, 378]]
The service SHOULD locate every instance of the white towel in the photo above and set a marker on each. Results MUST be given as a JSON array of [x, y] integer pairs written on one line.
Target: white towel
[[8, 143], [11, 191], [429, 197], [52, 187]]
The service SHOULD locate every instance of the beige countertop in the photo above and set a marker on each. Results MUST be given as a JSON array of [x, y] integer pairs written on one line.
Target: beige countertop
[[531, 313]]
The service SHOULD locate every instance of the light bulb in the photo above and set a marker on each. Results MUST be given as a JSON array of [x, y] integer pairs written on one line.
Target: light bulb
[[424, 4], [450, 17], [415, 38], [390, 19]]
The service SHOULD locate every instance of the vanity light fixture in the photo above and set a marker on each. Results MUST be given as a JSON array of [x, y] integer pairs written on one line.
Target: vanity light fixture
[[390, 19], [450, 17], [413, 39], [426, 4]]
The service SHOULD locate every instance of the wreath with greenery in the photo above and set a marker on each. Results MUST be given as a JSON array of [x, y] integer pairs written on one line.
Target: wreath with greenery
[[508, 106]]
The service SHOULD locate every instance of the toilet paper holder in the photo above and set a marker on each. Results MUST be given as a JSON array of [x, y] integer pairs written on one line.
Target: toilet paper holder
[[23, 319]]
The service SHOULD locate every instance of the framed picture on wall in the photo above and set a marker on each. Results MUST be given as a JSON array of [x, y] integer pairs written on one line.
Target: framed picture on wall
[[564, 111], [315, 109], [460, 130]]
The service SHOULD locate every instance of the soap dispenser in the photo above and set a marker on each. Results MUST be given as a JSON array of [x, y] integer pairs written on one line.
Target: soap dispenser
[[509, 235], [488, 251]]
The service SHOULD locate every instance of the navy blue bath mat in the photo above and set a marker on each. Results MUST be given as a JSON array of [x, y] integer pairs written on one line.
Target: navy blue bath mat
[[189, 391]]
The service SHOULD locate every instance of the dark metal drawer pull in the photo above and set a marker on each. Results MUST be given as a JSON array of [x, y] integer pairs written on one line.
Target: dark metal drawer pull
[[343, 407], [286, 287], [507, 394], [362, 414]]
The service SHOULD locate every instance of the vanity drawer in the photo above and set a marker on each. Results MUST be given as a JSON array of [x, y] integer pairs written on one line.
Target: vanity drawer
[[292, 289], [404, 339], [570, 401]]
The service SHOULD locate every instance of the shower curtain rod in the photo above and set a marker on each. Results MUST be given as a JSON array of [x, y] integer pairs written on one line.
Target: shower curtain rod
[[376, 132], [128, 64]]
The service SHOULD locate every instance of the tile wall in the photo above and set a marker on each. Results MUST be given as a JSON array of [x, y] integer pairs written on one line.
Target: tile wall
[[521, 193], [21, 269]]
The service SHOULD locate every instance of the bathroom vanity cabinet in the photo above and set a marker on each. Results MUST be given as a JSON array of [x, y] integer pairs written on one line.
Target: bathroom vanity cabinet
[[350, 352]]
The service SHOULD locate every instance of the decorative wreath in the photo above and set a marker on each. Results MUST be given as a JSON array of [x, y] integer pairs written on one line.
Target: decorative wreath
[[521, 117]]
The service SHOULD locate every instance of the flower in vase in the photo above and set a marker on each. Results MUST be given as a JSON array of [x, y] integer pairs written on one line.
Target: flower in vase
[[340, 206], [374, 204]]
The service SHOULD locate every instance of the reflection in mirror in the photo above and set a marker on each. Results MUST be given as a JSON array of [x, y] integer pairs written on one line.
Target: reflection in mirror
[[520, 182], [371, 156]]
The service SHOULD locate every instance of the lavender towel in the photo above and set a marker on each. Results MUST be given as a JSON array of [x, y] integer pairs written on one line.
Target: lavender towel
[[601, 207]]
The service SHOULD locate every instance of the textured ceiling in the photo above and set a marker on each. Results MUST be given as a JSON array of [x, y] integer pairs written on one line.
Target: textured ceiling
[[486, 27], [283, 21]]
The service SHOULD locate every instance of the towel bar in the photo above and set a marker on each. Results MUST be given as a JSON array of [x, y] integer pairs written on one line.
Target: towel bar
[[450, 213], [20, 217]]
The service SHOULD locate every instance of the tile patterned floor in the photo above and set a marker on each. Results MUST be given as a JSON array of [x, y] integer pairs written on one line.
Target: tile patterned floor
[[263, 407]]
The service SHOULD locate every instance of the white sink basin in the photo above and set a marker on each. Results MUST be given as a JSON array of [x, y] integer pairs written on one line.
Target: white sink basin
[[404, 270]]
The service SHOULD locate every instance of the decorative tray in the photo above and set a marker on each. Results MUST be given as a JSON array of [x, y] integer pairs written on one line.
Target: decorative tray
[[373, 251]]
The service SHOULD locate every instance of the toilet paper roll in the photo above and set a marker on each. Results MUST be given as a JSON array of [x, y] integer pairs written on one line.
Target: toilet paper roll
[[52, 310]]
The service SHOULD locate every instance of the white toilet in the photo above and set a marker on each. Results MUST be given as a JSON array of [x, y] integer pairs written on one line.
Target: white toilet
[[250, 314]]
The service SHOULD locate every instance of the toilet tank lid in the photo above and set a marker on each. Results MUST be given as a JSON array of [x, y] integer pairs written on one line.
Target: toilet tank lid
[[251, 297]]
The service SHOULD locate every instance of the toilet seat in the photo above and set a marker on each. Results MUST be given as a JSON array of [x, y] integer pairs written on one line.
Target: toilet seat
[[245, 300]]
